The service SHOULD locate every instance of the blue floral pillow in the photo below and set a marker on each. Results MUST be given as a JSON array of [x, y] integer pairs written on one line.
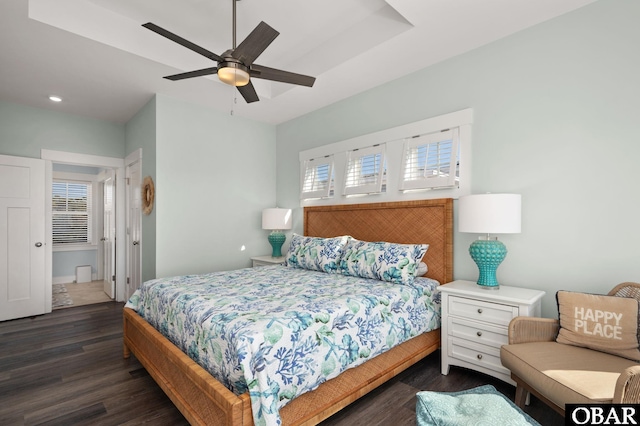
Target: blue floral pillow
[[395, 263], [315, 253]]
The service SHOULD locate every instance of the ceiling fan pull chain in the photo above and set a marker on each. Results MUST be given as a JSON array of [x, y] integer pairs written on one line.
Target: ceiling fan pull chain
[[235, 100]]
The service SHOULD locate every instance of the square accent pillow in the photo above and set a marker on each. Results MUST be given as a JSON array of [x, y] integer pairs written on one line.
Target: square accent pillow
[[604, 323], [315, 253], [483, 405], [395, 263]]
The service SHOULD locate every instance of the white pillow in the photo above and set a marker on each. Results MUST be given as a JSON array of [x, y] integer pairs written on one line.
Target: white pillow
[[422, 269]]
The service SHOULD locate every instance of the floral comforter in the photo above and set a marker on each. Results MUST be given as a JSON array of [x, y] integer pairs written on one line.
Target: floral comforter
[[278, 332]]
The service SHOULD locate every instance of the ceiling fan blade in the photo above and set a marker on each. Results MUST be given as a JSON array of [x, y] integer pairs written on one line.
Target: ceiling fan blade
[[266, 73], [255, 43], [191, 74], [186, 43], [248, 92]]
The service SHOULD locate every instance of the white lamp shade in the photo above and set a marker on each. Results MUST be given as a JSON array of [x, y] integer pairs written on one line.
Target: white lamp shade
[[490, 213], [276, 219]]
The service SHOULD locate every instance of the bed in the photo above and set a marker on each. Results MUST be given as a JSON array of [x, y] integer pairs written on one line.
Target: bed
[[204, 400]]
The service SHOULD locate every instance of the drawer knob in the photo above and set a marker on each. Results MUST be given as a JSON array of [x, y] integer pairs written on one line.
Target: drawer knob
[[479, 333], [479, 356], [479, 310]]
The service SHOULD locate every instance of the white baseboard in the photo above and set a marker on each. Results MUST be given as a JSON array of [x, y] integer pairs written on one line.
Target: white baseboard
[[70, 279], [64, 280]]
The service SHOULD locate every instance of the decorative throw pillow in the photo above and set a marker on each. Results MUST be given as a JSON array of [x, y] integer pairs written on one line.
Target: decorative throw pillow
[[604, 323], [315, 253], [396, 263], [483, 405]]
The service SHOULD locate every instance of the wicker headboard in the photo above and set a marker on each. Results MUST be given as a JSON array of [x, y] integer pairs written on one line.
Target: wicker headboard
[[405, 222]]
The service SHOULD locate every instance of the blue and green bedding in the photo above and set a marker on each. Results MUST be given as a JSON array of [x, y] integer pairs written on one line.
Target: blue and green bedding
[[277, 332]]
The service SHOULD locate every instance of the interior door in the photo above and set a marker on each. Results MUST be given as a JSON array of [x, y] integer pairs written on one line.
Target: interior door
[[22, 227], [109, 236], [134, 224]]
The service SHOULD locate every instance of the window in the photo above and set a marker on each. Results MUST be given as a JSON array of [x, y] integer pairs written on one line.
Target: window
[[71, 215], [366, 170], [431, 161], [400, 163], [317, 178]]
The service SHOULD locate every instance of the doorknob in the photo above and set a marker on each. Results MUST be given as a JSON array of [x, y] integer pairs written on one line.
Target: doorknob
[[38, 244], [103, 239], [135, 243]]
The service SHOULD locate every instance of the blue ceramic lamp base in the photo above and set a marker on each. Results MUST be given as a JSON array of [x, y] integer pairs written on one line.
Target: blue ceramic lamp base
[[488, 255], [276, 238]]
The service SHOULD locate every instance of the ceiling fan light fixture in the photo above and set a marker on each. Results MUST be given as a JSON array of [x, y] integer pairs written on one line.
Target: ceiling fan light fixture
[[233, 74]]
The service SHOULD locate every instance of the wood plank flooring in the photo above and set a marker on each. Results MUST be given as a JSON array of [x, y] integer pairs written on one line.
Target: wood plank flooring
[[66, 368]]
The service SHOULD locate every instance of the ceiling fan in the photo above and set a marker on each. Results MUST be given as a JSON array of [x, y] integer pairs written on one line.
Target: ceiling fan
[[235, 66]]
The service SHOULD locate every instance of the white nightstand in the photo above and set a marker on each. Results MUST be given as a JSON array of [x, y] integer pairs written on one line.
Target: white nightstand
[[475, 323], [267, 260]]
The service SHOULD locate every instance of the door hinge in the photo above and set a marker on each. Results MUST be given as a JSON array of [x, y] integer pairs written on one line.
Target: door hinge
[[127, 280], [127, 179], [113, 278]]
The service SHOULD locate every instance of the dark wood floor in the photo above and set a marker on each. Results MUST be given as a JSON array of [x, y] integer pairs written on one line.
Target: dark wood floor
[[66, 368]]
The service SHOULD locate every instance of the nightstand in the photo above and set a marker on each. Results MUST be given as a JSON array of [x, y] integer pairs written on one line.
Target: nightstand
[[267, 260], [475, 323]]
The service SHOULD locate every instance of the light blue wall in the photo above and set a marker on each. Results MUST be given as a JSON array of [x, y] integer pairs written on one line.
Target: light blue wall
[[215, 173], [141, 133], [65, 262], [25, 130], [556, 112]]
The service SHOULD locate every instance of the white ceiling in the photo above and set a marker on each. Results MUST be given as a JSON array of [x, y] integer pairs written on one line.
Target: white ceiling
[[96, 55]]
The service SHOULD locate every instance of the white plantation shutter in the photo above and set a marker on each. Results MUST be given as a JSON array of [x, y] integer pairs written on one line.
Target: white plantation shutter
[[71, 215], [431, 161], [317, 180], [365, 170]]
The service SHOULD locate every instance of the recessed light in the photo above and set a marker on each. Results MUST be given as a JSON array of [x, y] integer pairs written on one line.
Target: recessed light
[[55, 98]]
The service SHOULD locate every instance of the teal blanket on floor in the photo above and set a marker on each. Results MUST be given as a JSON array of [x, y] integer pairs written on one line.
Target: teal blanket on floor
[[483, 405]]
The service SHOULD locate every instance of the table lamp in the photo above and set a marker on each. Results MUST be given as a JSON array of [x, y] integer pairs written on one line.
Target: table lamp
[[276, 220], [489, 214]]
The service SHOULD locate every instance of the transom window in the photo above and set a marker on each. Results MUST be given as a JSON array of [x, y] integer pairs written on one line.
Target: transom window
[[431, 161], [366, 170], [318, 178], [406, 162]]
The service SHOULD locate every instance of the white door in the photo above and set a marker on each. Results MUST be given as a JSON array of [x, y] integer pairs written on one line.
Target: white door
[[134, 231], [22, 227], [109, 236]]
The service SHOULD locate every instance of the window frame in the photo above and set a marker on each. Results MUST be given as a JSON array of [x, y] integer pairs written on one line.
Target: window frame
[[394, 139], [425, 181], [311, 166], [356, 156], [91, 182]]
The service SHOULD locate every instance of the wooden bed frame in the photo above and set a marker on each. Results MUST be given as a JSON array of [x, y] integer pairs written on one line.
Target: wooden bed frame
[[205, 401]]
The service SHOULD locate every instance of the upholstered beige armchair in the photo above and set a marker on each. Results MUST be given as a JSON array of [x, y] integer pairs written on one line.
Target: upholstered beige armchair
[[560, 374]]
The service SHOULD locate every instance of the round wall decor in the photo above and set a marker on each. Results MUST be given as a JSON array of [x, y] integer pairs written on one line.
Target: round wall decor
[[148, 195]]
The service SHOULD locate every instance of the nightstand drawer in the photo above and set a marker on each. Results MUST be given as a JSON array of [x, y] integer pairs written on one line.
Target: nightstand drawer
[[481, 355], [494, 313], [482, 333]]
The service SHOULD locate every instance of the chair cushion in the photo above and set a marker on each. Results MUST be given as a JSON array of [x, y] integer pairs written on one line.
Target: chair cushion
[[483, 405], [604, 323], [565, 374]]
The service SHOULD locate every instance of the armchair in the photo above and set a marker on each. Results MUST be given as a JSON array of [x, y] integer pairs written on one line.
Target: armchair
[[560, 374]]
